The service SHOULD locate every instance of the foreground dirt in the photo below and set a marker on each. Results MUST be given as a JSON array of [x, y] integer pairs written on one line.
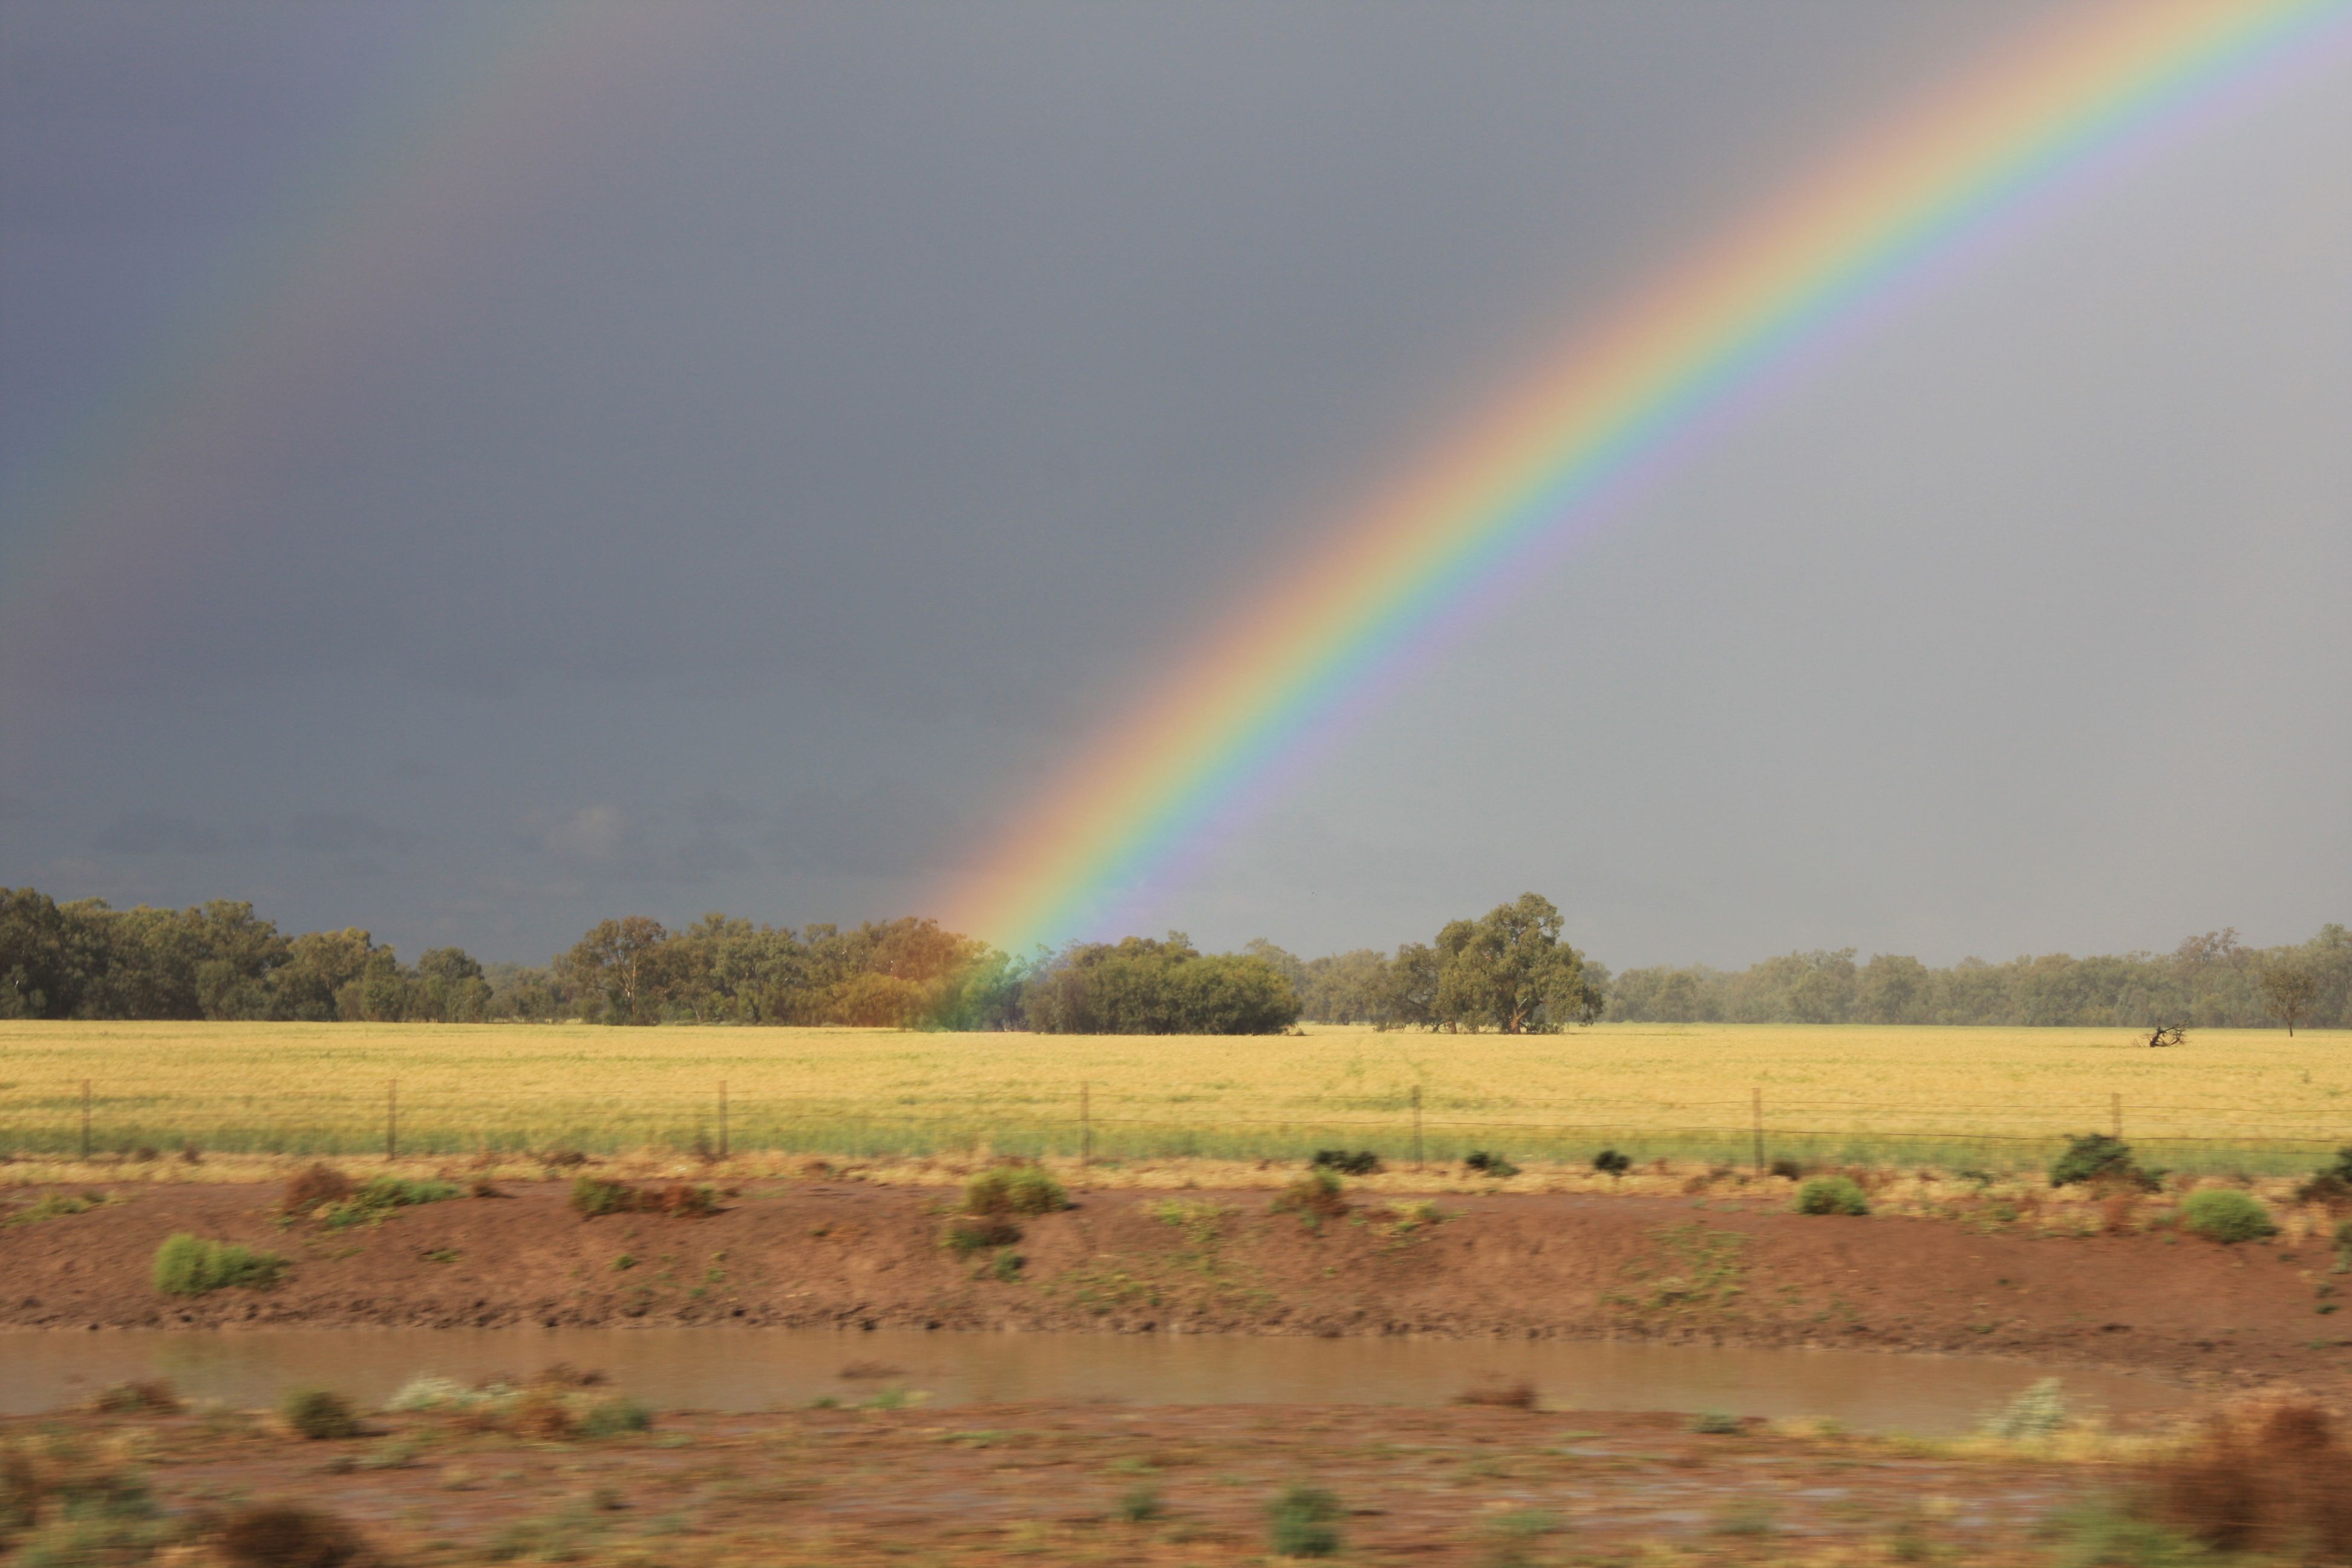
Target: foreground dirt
[[844, 1254], [1076, 1484]]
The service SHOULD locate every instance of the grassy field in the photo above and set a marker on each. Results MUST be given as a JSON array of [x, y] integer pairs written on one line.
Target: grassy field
[[1997, 1099]]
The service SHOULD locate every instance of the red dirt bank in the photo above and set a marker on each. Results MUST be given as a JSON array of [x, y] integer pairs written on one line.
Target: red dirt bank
[[1562, 1266]]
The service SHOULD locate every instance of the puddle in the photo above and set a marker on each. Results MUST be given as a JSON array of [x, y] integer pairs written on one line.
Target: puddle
[[757, 1369]]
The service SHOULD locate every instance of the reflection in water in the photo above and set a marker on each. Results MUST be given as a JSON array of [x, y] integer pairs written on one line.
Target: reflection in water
[[757, 1369]]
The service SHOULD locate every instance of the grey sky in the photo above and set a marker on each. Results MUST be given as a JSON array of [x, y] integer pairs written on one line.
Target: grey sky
[[797, 435]]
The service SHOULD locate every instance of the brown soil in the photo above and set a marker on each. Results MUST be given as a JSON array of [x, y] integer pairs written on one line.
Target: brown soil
[[1063, 1485], [1567, 1266]]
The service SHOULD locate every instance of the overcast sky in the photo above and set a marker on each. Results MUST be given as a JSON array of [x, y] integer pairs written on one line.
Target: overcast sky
[[471, 470]]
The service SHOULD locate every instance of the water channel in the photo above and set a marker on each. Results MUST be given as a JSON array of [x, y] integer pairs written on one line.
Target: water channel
[[759, 1369]]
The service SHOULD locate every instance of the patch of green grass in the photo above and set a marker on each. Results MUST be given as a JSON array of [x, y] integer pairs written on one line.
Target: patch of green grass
[[57, 1205], [1833, 1195], [191, 1266], [1303, 1522], [376, 1202]]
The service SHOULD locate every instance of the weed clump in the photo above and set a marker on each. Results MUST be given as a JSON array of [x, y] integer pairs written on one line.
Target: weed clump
[[1347, 1163], [2227, 1215], [286, 1535], [596, 1195], [968, 1234], [1018, 1189], [1833, 1195], [372, 1203], [2330, 1185], [1303, 1522], [1141, 1504], [2039, 1411], [63, 1506], [319, 1414], [190, 1266], [1714, 1424], [612, 1418], [1788, 1170], [1610, 1163], [1316, 1195], [2095, 1159], [57, 1205]]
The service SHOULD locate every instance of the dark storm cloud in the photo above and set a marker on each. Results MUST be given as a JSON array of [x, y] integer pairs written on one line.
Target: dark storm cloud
[[157, 832], [841, 414]]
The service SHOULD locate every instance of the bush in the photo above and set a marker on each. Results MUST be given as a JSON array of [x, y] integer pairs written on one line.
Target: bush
[[285, 1536], [686, 1200], [190, 1266], [154, 1396], [1018, 1189], [2275, 1481], [1316, 1194], [1488, 1162], [968, 1234], [612, 1418], [316, 1184], [1788, 1170], [2226, 1215], [1832, 1195], [1141, 1504], [1715, 1424], [319, 1414], [595, 1195], [1610, 1163], [1356, 1162], [1303, 1522], [371, 1203], [2095, 1157]]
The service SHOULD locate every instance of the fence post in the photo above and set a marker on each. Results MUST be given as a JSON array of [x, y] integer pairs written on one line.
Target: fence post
[[722, 1119], [392, 1118], [1085, 1124], [2115, 1113], [85, 1121], [1416, 1126], [1756, 1123]]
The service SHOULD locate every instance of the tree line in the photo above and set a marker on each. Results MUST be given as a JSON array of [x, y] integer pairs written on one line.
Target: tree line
[[1509, 970]]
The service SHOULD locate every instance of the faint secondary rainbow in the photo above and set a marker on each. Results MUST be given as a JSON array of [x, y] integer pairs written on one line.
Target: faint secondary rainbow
[[1264, 687]]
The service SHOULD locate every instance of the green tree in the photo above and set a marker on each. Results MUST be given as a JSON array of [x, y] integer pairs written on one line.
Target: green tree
[[2287, 993], [616, 962], [1509, 970]]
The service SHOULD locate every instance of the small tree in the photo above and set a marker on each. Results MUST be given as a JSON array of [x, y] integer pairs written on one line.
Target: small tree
[[2287, 992]]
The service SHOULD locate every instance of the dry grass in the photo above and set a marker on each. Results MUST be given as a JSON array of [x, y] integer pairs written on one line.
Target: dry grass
[[1950, 1099]]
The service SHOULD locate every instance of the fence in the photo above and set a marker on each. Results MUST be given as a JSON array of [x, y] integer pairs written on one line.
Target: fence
[[89, 1120]]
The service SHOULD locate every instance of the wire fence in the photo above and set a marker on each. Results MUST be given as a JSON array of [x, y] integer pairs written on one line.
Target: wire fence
[[89, 1120]]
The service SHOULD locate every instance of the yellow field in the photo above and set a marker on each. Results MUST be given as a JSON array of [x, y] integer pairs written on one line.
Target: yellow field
[[2249, 1100]]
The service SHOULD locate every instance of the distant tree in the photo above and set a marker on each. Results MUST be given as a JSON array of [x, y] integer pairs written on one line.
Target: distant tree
[[450, 987], [1509, 970], [2287, 992], [1407, 997], [616, 962]]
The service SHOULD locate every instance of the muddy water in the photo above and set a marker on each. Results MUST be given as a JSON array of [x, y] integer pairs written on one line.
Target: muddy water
[[755, 1368]]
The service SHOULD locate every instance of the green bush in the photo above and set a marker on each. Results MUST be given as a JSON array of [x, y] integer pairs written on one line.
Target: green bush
[[380, 1196], [286, 1535], [1832, 1195], [319, 1414], [1018, 1189], [1316, 1195], [1488, 1163], [1346, 1162], [1141, 1504], [1303, 1522], [611, 1417], [1610, 1163], [969, 1234], [2226, 1215], [595, 1195], [190, 1266], [2095, 1157]]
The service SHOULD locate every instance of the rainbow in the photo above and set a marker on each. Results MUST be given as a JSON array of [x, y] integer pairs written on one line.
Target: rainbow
[[1267, 688]]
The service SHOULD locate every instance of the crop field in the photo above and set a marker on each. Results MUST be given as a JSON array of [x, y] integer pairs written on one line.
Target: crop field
[[1958, 1098]]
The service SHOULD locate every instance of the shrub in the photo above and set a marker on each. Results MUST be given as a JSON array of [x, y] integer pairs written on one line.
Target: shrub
[[319, 1414], [1789, 1170], [190, 1266], [1303, 1522], [313, 1186], [1018, 1189], [2226, 1215], [1141, 1504], [371, 1203], [154, 1396], [968, 1234], [540, 1412], [286, 1535], [1610, 1163], [1355, 1162], [1714, 1424], [595, 1195], [1832, 1195], [97, 1508], [1316, 1194], [1006, 1268], [612, 1418], [2272, 1481], [2095, 1157], [1487, 1161], [688, 1200]]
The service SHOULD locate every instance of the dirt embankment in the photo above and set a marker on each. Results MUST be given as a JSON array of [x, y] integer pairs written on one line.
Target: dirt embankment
[[844, 1254]]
